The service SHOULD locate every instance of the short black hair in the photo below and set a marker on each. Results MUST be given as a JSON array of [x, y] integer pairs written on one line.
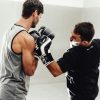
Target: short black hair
[[30, 6], [85, 30]]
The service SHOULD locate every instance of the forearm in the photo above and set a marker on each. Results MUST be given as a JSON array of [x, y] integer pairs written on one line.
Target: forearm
[[54, 69], [35, 63], [29, 63]]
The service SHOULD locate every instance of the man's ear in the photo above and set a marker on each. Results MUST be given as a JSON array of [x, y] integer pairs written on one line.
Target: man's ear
[[85, 43], [35, 13]]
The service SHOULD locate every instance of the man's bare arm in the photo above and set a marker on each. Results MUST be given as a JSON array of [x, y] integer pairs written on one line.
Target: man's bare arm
[[54, 69], [25, 44]]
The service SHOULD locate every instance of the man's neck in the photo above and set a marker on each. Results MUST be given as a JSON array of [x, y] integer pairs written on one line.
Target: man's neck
[[26, 23]]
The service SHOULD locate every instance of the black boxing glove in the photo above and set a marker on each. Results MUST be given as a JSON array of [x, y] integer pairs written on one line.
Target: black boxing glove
[[42, 31], [42, 49], [34, 34], [46, 31]]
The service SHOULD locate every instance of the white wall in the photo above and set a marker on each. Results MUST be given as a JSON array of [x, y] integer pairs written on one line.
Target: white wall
[[91, 3], [68, 3]]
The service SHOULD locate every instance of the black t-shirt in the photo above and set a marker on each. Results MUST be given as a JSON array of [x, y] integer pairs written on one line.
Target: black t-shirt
[[82, 64]]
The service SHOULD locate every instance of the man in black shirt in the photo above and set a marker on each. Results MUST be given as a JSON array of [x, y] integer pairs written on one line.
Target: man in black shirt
[[81, 62]]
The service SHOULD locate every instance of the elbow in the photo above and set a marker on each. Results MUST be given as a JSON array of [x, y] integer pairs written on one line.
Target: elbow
[[29, 72], [55, 74]]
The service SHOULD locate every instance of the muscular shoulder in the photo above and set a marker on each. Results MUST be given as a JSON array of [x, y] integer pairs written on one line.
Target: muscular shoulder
[[23, 41], [27, 41]]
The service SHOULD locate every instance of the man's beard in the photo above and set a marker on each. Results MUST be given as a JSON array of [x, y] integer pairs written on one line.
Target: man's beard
[[33, 25]]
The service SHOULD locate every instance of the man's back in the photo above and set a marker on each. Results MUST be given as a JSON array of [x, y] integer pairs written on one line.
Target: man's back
[[83, 75]]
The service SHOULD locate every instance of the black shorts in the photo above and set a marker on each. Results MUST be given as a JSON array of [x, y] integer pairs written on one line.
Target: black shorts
[[81, 98]]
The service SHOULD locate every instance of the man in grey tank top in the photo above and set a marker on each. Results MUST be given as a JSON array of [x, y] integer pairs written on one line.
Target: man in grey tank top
[[18, 61]]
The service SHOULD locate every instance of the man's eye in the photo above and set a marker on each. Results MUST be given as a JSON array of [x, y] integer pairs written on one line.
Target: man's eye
[[72, 38]]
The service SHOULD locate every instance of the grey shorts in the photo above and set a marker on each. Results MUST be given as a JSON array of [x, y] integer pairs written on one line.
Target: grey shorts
[[9, 93]]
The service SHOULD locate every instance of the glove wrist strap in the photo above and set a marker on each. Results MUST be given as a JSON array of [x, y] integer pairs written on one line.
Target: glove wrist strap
[[46, 59]]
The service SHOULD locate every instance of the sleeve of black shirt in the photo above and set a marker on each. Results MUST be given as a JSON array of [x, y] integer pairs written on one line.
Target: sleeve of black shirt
[[65, 62]]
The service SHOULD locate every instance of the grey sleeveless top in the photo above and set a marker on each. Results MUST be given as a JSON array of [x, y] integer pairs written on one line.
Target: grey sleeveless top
[[12, 73]]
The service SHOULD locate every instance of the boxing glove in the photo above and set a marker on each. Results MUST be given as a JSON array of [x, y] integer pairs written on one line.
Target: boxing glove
[[42, 49], [34, 34], [43, 41], [46, 31]]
